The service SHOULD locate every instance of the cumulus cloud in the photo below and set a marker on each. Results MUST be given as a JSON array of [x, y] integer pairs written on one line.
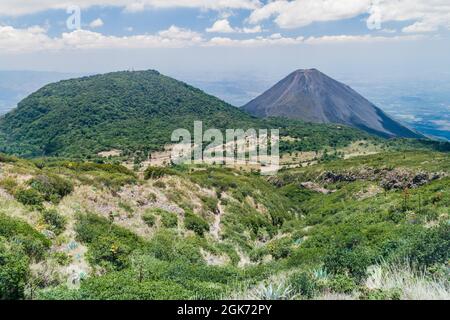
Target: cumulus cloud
[[13, 40], [35, 39], [23, 7], [254, 42], [277, 40], [223, 26], [97, 23], [426, 15], [299, 13]]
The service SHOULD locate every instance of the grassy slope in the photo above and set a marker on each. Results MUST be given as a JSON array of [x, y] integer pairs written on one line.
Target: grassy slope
[[266, 228]]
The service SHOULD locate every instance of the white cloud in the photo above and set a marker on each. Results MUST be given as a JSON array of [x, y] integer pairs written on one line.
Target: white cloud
[[221, 26], [14, 40], [426, 15], [255, 42], [442, 124], [33, 39], [299, 13], [97, 23], [359, 39], [20, 40], [277, 39], [23, 7], [255, 29]]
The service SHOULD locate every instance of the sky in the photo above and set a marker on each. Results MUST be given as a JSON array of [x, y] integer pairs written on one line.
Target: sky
[[216, 38]]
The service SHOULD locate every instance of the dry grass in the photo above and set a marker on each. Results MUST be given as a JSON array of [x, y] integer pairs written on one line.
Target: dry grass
[[413, 284]]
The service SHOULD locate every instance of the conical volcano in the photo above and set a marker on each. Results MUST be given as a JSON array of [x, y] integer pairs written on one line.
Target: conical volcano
[[312, 96]]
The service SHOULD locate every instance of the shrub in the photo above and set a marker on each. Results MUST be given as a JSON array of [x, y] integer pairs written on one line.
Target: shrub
[[304, 284], [352, 261], [14, 271], [168, 219], [33, 242], [281, 248], [109, 245], [157, 172], [56, 221], [52, 187], [62, 258], [342, 284], [195, 223], [29, 197], [149, 219]]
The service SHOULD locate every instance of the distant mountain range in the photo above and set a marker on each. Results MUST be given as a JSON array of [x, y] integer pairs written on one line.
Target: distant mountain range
[[312, 96]]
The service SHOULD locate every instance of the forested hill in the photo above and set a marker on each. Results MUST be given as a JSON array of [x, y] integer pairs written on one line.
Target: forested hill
[[134, 111]]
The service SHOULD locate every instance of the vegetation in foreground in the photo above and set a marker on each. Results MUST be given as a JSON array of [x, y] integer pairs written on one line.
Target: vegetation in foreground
[[371, 227]]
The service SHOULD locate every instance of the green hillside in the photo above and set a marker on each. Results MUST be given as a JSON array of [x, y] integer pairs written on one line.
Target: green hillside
[[125, 110]]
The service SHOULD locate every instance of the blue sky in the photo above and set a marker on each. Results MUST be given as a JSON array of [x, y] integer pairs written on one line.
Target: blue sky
[[189, 37]]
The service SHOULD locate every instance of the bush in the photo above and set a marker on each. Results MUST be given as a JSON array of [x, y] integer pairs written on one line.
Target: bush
[[62, 258], [195, 223], [33, 242], [281, 248], [109, 245], [149, 219], [29, 197], [52, 187], [352, 261], [14, 271], [303, 284], [168, 219], [53, 219]]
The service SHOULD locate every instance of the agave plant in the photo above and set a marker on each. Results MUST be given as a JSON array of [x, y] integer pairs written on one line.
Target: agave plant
[[272, 292]]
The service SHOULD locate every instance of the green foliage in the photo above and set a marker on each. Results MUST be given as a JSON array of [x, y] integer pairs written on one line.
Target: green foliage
[[280, 248], [168, 219], [62, 258], [352, 261], [149, 219], [14, 270], [128, 111], [51, 187], [304, 284], [34, 243], [109, 245], [29, 197], [342, 283], [379, 294], [195, 223]]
